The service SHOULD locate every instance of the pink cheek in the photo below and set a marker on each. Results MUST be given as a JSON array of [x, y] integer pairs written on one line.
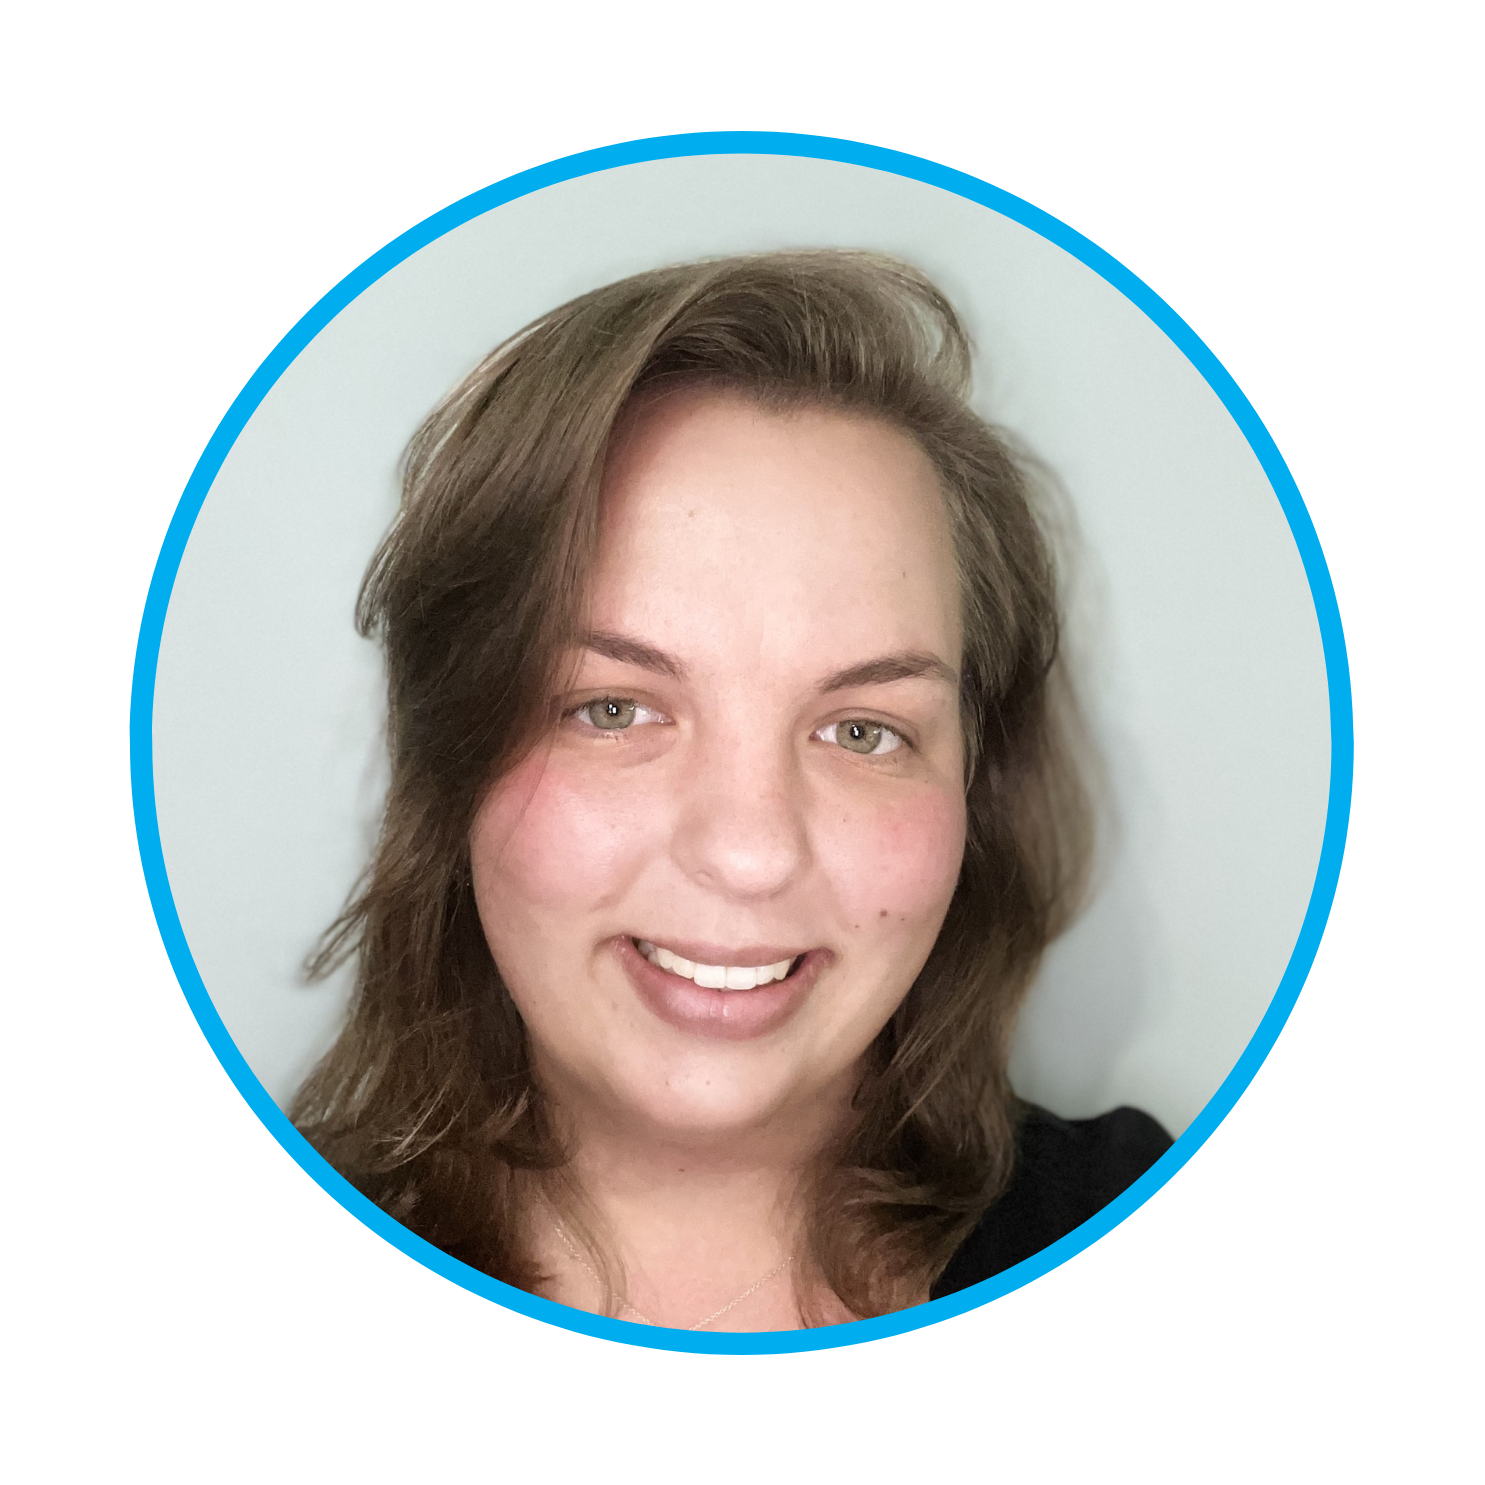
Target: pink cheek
[[900, 860], [551, 837]]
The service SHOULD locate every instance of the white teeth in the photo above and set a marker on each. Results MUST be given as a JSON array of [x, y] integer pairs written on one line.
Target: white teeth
[[714, 976]]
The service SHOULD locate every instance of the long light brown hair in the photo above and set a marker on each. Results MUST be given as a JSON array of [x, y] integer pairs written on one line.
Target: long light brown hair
[[427, 1101]]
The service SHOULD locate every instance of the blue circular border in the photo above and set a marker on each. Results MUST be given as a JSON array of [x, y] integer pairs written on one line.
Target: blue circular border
[[817, 147]]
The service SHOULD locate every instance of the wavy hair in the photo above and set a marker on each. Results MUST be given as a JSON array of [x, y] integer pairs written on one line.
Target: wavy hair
[[427, 1101]]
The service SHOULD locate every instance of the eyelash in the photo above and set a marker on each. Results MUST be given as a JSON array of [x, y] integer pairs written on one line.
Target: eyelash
[[648, 712], [900, 738]]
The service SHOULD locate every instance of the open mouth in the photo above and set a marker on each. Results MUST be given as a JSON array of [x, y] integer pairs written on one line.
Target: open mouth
[[731, 993], [717, 976]]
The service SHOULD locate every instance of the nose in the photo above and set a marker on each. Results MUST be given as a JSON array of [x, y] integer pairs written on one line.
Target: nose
[[742, 829]]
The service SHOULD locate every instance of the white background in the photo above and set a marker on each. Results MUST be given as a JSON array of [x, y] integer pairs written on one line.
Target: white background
[[1301, 1302]]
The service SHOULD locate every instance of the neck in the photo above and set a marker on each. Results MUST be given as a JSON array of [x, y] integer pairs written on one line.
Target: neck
[[685, 1222]]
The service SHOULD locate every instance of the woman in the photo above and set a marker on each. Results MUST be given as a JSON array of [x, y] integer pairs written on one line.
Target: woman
[[730, 813]]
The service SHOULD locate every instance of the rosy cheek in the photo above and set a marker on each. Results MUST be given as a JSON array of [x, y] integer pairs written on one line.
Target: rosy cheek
[[550, 836], [896, 863]]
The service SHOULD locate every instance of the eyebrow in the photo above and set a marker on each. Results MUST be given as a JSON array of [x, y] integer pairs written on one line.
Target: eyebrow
[[900, 667], [633, 652], [881, 671]]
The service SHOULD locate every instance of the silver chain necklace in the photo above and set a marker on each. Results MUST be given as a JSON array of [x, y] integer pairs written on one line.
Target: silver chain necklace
[[644, 1319]]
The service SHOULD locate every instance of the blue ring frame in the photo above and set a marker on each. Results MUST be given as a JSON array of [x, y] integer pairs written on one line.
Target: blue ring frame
[[674, 146]]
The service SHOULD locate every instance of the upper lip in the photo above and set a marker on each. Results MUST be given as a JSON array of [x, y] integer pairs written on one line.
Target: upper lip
[[742, 956]]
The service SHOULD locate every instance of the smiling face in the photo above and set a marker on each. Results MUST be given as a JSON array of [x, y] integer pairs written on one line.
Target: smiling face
[[711, 886]]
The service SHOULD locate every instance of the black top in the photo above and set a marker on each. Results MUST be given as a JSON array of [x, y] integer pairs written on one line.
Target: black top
[[1066, 1171]]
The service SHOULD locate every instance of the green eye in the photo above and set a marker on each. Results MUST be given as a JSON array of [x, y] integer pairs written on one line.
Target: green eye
[[610, 714], [860, 737]]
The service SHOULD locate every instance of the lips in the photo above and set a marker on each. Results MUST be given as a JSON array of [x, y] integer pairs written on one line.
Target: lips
[[729, 994]]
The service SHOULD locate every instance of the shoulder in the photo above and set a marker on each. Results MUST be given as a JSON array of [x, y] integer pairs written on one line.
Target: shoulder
[[1066, 1171]]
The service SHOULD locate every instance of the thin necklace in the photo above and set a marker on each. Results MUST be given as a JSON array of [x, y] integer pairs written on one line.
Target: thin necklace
[[644, 1319]]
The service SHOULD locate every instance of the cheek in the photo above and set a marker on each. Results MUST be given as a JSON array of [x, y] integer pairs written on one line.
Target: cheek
[[549, 841], [895, 864]]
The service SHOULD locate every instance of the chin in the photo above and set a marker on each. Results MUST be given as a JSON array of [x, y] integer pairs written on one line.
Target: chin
[[697, 1101], [707, 1109]]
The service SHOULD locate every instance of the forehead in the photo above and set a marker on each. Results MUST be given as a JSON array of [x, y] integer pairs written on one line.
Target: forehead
[[810, 538]]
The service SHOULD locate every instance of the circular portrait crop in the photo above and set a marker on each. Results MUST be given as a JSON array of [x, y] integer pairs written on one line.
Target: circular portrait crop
[[741, 743]]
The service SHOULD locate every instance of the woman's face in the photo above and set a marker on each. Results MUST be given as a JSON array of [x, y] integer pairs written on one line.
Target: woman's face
[[712, 885]]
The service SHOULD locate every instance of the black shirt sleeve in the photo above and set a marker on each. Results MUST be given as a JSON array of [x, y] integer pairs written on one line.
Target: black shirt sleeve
[[1066, 1171]]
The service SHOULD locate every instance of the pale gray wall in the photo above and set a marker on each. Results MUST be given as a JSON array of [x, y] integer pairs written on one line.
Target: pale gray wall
[[1192, 622]]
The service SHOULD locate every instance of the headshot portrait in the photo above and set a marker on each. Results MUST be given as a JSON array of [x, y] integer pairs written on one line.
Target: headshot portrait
[[742, 745]]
